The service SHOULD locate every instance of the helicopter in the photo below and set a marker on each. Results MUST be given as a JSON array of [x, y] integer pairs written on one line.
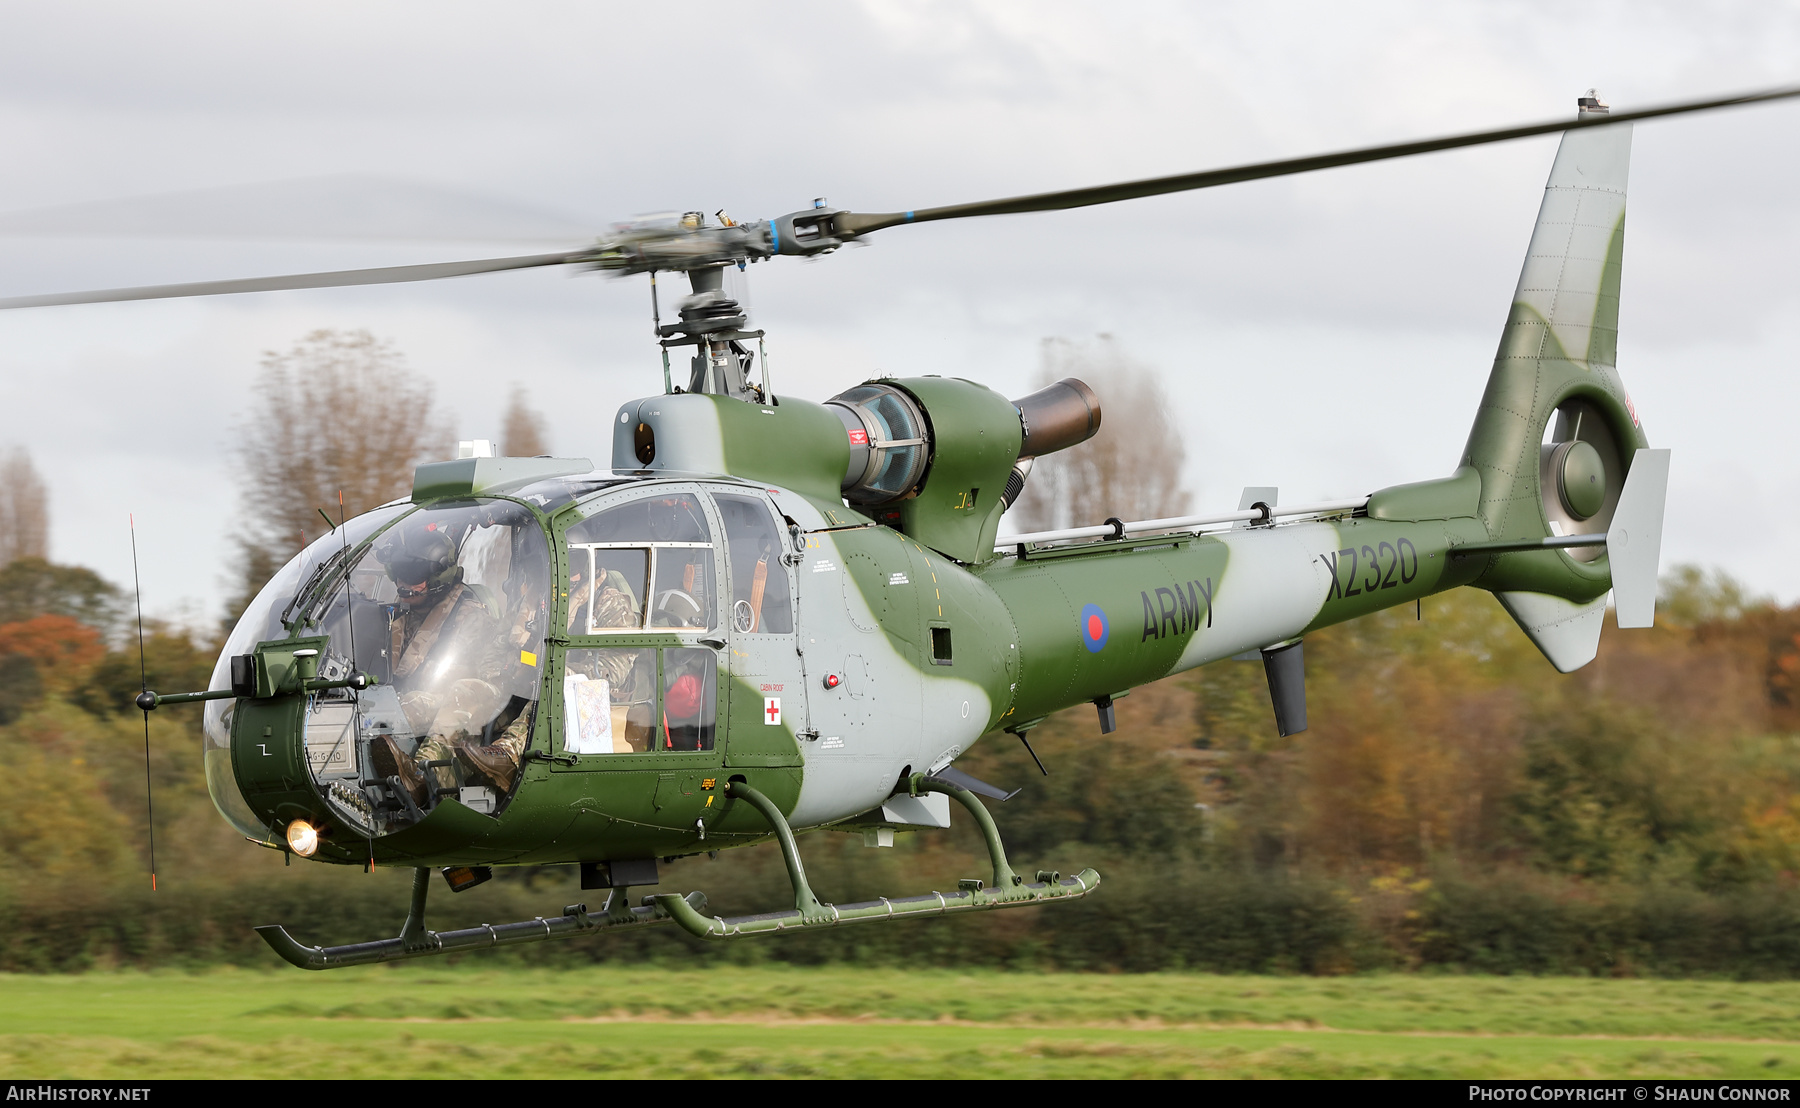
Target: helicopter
[[763, 616]]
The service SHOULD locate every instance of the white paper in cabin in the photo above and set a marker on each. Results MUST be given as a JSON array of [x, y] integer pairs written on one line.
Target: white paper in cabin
[[587, 715]]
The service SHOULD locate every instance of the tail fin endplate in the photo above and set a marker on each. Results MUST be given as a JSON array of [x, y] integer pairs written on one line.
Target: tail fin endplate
[[1634, 541]]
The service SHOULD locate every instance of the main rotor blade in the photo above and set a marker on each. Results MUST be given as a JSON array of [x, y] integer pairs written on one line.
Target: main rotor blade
[[350, 207], [386, 275], [853, 223]]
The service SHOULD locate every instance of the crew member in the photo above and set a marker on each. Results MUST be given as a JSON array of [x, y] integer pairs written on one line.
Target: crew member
[[449, 660]]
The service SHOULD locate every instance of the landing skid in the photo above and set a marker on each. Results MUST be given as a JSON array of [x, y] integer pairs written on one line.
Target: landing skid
[[417, 942], [1008, 890]]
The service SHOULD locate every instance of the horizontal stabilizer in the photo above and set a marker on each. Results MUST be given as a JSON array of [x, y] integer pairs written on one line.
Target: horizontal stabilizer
[[1634, 541], [1568, 633], [929, 810], [974, 784]]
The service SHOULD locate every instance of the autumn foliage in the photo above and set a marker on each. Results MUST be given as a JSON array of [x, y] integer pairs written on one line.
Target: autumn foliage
[[62, 650]]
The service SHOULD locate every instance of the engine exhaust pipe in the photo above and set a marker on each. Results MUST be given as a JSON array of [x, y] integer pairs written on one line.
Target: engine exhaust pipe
[[1057, 417]]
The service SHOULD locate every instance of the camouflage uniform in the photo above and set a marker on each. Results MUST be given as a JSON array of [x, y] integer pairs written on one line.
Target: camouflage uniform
[[470, 692], [615, 608]]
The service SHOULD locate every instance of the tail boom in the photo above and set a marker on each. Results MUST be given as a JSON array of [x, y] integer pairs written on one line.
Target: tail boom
[[1099, 619]]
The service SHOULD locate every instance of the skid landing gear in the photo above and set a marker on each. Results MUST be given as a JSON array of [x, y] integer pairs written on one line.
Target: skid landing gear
[[1008, 890], [417, 942]]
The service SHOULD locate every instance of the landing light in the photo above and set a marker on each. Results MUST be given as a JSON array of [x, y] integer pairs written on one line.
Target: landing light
[[303, 838]]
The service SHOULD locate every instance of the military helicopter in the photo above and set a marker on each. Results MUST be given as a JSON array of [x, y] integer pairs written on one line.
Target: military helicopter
[[764, 616]]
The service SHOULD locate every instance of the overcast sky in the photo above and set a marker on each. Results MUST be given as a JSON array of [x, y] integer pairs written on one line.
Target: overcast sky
[[1328, 334]]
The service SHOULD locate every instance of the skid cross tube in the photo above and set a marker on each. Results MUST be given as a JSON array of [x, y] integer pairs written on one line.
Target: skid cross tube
[[1007, 884], [1009, 889], [811, 911], [414, 939]]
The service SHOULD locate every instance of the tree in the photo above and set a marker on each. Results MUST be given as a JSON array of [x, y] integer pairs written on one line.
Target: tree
[[522, 435], [52, 623], [32, 587], [339, 412], [171, 661], [24, 510], [1691, 595], [63, 649], [1130, 469]]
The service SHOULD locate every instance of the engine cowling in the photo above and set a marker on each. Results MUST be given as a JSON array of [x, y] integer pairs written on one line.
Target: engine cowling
[[892, 443], [940, 458]]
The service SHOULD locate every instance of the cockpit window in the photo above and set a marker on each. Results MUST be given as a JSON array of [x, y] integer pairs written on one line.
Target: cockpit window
[[760, 604], [262, 621], [614, 702], [646, 564], [447, 609], [553, 492]]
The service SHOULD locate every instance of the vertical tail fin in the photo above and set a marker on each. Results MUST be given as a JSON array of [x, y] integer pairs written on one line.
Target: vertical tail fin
[[1555, 365]]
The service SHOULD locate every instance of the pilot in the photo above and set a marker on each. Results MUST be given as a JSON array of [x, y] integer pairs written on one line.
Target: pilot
[[443, 619], [434, 601]]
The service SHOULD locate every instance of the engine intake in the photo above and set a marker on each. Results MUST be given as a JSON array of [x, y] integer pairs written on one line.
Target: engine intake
[[890, 443]]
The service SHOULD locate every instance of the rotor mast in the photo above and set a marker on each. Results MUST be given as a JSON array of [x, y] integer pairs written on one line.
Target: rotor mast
[[713, 323]]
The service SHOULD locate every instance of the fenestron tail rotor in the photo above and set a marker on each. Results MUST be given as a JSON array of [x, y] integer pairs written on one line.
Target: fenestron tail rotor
[[690, 242]]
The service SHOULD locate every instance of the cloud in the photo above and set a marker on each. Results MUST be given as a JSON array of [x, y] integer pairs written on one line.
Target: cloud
[[1329, 334]]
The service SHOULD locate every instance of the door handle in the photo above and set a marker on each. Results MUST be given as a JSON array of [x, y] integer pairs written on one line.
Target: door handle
[[716, 644]]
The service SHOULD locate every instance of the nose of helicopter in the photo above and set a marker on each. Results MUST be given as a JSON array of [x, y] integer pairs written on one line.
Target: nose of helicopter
[[383, 670]]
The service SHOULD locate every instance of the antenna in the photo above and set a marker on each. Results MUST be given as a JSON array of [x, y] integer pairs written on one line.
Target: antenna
[[350, 617], [144, 690], [1033, 753]]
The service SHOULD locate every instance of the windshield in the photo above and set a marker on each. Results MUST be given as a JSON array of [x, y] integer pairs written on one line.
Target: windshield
[[446, 609], [261, 622]]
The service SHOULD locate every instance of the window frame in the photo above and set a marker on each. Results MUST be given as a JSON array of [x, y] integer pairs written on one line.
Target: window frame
[[650, 549], [778, 522], [658, 708], [644, 636]]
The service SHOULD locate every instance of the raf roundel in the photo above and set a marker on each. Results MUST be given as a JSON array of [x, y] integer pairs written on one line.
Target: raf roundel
[[1094, 628]]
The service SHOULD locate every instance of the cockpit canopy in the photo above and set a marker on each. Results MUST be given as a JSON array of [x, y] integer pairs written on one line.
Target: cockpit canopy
[[446, 608], [458, 611]]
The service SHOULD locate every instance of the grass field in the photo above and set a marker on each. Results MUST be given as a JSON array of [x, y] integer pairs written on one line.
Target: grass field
[[773, 1021]]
